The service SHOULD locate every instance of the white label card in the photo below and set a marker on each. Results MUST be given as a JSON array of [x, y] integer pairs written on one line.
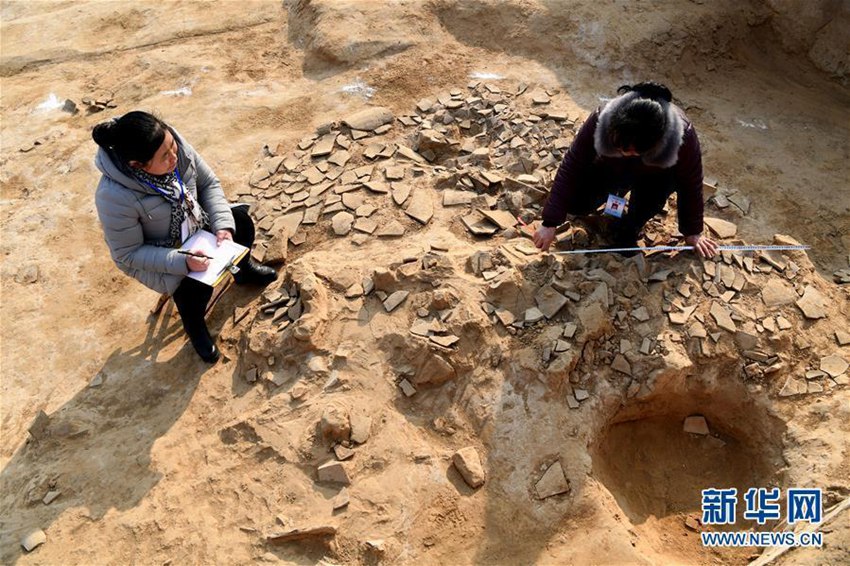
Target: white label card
[[615, 206]]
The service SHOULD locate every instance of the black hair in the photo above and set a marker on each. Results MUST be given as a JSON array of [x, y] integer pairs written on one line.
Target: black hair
[[640, 123], [135, 136]]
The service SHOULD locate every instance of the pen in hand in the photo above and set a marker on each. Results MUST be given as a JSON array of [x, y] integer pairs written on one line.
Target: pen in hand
[[193, 254]]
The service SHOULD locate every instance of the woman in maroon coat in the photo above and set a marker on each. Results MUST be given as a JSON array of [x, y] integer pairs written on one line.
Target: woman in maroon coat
[[639, 142]]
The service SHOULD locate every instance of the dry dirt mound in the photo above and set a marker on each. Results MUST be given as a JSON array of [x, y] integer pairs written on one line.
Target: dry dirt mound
[[590, 365]]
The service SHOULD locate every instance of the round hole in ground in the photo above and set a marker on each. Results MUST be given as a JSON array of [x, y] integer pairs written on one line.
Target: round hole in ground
[[653, 467]]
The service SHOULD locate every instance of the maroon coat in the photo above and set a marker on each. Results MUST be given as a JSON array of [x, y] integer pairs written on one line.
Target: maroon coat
[[593, 167]]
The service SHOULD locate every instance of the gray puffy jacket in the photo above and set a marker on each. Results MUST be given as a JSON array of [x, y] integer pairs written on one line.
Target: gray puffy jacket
[[133, 215]]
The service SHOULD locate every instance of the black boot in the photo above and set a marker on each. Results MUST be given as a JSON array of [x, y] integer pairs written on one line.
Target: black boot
[[252, 273], [203, 343], [191, 299]]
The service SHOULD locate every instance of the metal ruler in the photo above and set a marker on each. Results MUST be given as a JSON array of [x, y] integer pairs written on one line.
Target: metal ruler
[[683, 248]]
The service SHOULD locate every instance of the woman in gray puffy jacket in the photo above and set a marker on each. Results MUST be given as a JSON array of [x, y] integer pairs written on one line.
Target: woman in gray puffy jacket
[[156, 192]]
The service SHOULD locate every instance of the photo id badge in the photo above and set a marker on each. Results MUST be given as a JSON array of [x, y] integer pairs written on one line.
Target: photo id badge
[[615, 206]]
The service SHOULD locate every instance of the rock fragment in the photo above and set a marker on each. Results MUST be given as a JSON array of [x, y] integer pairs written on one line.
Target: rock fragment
[[722, 317], [621, 364], [420, 207], [468, 463], [319, 531]]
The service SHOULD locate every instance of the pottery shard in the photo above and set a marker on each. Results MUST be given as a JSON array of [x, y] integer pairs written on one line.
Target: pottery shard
[[723, 228], [621, 364], [452, 197], [776, 293], [278, 248], [549, 301], [553, 482], [696, 424], [593, 319], [420, 207], [468, 463], [33, 539], [369, 119], [812, 303], [361, 427], [342, 222], [302, 533], [324, 146], [391, 230], [501, 218], [394, 300], [721, 317], [834, 365], [333, 472]]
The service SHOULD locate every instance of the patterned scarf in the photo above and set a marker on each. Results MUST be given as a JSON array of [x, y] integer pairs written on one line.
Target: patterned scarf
[[170, 188]]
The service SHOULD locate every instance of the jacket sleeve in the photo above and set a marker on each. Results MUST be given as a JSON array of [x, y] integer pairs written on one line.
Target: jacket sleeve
[[689, 184], [576, 162], [122, 230], [211, 197]]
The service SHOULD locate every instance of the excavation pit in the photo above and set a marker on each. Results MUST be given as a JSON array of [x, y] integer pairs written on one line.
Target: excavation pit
[[653, 467]]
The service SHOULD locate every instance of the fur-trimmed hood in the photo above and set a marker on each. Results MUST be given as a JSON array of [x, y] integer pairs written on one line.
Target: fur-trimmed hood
[[666, 151]]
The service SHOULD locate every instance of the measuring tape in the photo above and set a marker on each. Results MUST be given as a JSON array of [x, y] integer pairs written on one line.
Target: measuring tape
[[682, 248]]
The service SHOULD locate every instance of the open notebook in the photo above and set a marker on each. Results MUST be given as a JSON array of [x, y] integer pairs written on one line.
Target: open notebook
[[227, 254]]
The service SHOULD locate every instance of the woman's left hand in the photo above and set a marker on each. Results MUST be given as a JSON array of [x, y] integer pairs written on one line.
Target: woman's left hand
[[705, 247], [222, 235]]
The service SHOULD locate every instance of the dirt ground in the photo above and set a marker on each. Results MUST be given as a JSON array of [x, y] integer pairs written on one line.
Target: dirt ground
[[161, 459]]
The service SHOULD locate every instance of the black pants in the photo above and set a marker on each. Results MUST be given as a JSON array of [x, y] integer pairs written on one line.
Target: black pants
[[191, 296], [649, 194]]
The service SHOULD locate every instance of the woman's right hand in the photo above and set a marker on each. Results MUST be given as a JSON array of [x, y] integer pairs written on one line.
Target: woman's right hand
[[544, 236], [197, 263]]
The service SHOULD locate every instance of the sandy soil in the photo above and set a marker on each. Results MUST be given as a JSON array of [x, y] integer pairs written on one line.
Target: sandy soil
[[169, 461]]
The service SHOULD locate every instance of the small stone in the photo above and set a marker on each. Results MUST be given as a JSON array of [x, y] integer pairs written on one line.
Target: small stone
[[783, 323], [696, 424], [722, 228], [333, 472], [342, 222], [621, 364], [812, 303], [581, 394], [365, 225], [505, 316], [682, 316], [645, 346], [570, 329], [33, 539], [814, 387], [833, 365], [38, 428], [553, 482], [692, 523], [334, 425], [97, 380], [392, 230], [468, 463], [394, 300], [815, 374], [251, 375], [452, 197]]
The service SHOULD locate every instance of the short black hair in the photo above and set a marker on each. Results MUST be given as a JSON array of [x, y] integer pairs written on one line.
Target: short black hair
[[640, 123], [135, 136]]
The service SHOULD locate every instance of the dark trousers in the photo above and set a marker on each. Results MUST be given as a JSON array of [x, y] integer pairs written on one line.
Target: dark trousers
[[649, 194], [191, 296]]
